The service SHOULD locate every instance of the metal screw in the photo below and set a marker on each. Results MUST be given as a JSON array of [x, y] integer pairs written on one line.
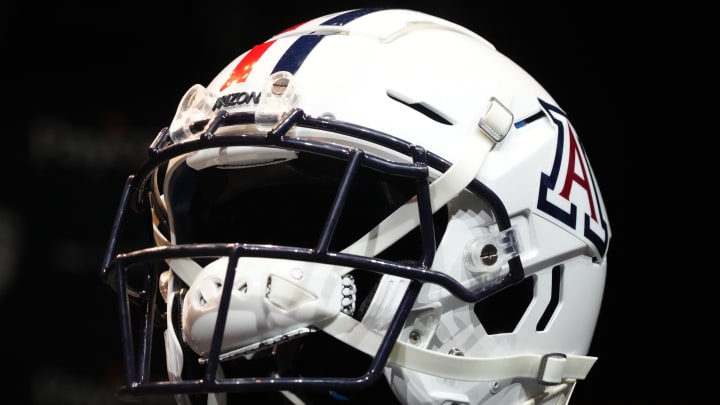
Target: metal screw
[[489, 255], [456, 352]]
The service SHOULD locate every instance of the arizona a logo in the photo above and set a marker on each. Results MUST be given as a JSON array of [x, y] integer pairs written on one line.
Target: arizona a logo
[[569, 192]]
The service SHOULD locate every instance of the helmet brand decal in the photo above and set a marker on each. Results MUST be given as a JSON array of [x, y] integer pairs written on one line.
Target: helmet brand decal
[[570, 188], [295, 55], [235, 99]]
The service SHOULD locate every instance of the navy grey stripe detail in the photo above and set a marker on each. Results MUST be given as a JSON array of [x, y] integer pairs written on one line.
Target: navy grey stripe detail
[[298, 51]]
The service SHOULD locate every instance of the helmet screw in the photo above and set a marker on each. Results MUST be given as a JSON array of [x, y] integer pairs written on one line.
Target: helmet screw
[[280, 85], [296, 273], [414, 336], [456, 352], [494, 387], [489, 255]]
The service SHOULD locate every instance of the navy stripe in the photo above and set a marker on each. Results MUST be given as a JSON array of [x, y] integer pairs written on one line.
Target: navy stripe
[[298, 51], [345, 18]]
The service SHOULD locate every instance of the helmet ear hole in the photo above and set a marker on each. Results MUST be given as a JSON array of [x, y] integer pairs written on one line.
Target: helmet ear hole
[[502, 311]]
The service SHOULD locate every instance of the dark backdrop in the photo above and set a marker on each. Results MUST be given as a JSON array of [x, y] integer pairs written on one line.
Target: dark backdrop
[[87, 87]]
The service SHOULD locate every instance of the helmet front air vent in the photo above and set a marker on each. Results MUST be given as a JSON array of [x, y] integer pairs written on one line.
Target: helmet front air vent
[[421, 107]]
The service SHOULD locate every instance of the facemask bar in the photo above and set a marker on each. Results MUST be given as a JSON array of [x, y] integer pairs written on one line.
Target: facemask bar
[[115, 266]]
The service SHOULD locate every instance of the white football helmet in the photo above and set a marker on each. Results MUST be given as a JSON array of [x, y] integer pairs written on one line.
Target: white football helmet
[[373, 202]]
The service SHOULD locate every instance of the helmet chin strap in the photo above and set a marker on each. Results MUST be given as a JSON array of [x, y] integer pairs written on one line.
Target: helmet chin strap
[[547, 369]]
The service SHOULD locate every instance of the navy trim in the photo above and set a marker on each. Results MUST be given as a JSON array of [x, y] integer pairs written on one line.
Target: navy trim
[[298, 51]]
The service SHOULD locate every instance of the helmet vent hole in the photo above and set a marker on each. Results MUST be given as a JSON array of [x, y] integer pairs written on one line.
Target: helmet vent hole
[[557, 275], [243, 288], [421, 107]]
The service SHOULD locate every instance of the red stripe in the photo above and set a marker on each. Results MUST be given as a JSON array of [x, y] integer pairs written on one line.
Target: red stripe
[[242, 70], [292, 61]]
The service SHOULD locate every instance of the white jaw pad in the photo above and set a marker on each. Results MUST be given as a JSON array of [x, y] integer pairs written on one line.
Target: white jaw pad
[[269, 298]]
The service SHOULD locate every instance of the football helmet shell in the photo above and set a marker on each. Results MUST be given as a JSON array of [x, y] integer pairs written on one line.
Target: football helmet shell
[[382, 177]]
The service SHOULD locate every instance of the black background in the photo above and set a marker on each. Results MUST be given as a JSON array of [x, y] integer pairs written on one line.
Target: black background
[[87, 87]]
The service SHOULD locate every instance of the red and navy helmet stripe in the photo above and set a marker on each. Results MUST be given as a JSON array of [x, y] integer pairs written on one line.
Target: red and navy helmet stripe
[[296, 54], [293, 58]]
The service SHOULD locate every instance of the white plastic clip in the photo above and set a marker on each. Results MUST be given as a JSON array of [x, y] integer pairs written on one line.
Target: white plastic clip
[[489, 252], [496, 120], [280, 95]]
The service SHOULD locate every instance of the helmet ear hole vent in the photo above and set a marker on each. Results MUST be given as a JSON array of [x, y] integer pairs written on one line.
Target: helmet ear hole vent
[[501, 312]]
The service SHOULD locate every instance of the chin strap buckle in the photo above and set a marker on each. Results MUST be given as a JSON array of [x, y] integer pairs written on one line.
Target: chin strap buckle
[[552, 366]]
